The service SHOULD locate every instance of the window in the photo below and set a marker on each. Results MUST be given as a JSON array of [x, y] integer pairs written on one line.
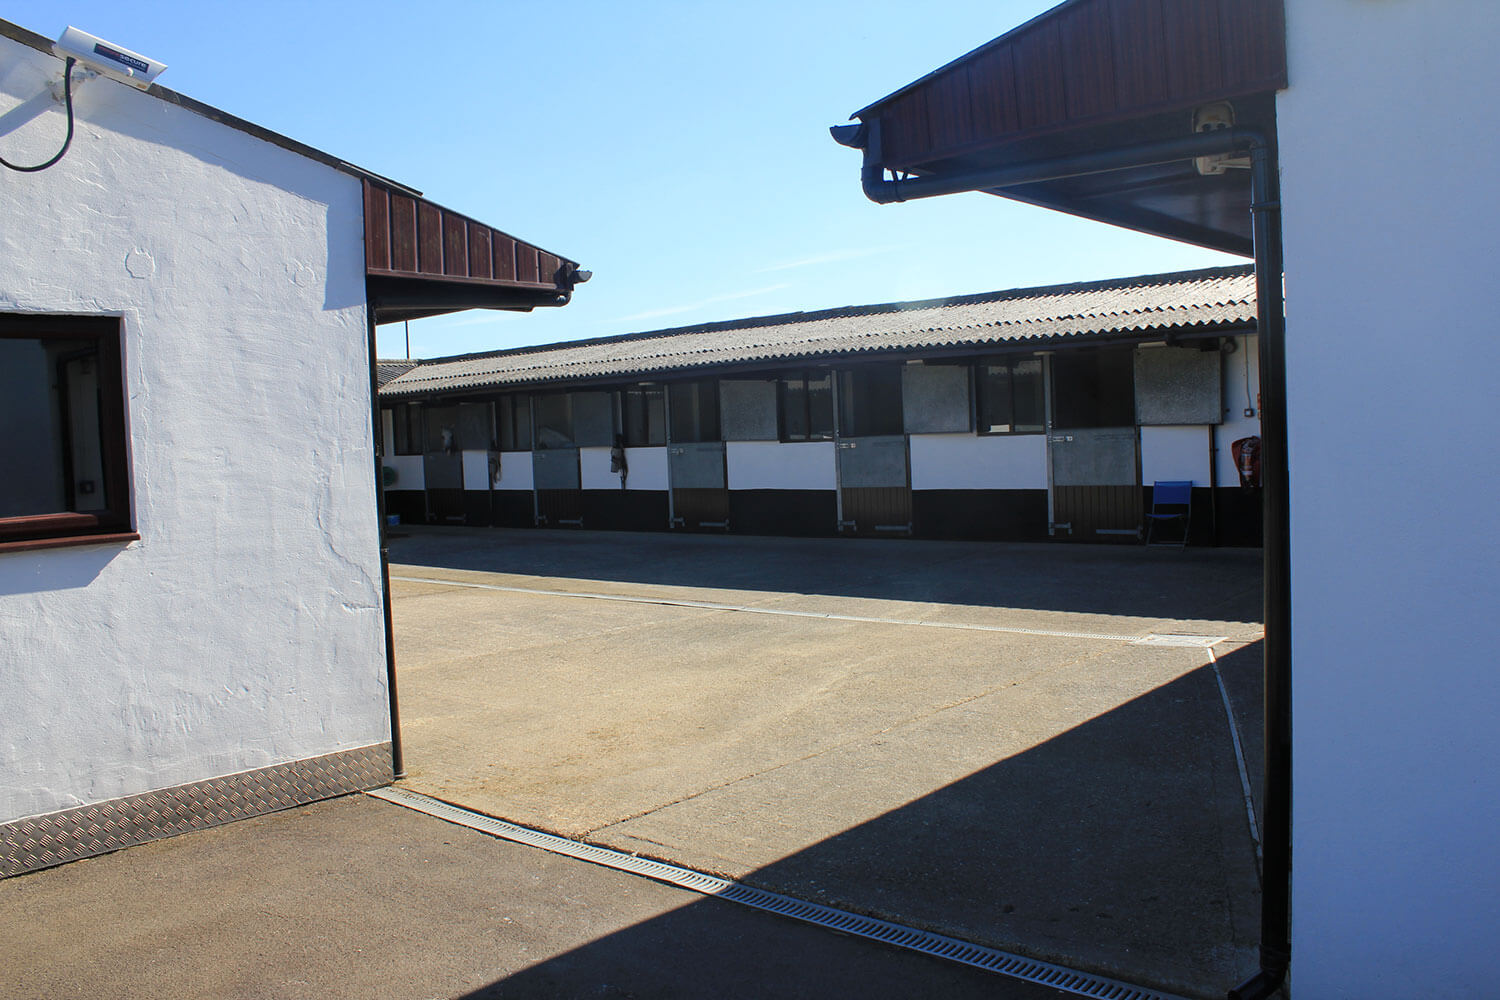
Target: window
[[554, 421], [695, 410], [870, 401], [406, 428], [1094, 388], [643, 415], [1010, 395], [63, 450], [805, 404], [513, 422]]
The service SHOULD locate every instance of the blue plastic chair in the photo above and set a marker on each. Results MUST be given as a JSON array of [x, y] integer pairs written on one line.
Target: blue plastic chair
[[1171, 500]]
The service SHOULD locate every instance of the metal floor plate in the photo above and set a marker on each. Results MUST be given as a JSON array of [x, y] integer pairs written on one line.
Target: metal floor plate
[[1029, 970], [1179, 640]]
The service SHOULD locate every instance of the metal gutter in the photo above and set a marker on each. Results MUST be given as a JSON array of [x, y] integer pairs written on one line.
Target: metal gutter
[[1275, 945]]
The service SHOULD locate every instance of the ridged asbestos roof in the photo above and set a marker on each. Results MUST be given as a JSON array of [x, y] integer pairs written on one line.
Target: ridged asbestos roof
[[1126, 307], [387, 370]]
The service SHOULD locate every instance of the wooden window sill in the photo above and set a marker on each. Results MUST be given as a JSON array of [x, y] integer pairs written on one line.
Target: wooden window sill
[[68, 541]]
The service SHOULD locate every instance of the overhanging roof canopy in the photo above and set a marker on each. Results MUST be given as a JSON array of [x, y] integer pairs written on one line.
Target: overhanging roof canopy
[[1094, 75], [423, 260]]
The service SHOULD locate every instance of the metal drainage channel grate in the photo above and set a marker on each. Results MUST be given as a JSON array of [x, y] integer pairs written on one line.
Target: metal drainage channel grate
[[992, 960]]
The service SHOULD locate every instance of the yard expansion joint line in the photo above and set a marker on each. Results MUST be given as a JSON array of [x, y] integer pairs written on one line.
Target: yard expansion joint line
[[1084, 984], [1150, 639]]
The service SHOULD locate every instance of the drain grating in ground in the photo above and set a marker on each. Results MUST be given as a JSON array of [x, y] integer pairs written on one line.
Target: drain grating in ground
[[1029, 970]]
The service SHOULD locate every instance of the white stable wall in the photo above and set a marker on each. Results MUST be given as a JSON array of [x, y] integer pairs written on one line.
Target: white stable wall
[[515, 471], [974, 462], [648, 469], [593, 470], [475, 466], [1241, 374], [769, 465], [244, 628], [1388, 185], [1175, 453]]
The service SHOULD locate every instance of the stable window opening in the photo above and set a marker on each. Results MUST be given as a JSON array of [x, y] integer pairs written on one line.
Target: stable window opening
[[695, 410], [1010, 395], [643, 415], [805, 405], [870, 402], [64, 448]]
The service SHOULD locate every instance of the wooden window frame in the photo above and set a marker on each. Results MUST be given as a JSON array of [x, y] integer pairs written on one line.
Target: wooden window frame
[[981, 393], [641, 391], [114, 523], [403, 416], [783, 384]]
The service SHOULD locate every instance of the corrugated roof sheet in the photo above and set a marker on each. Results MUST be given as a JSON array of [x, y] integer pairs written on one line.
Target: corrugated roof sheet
[[387, 370], [1125, 307]]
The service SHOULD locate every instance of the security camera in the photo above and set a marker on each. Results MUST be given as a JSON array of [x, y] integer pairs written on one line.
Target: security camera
[[107, 59]]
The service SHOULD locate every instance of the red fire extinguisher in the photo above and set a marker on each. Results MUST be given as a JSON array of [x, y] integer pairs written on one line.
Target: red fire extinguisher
[[1246, 453]]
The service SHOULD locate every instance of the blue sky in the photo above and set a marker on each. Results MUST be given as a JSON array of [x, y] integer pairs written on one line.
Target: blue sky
[[678, 150]]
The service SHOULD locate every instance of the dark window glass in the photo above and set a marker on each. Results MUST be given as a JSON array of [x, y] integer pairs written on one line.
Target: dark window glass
[[806, 407], [554, 421], [643, 415], [1010, 395], [695, 410], [1094, 388], [406, 430], [870, 401], [62, 410], [513, 422]]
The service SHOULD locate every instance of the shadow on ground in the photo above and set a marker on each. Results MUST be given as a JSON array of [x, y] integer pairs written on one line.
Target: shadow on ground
[[1153, 582], [1120, 846]]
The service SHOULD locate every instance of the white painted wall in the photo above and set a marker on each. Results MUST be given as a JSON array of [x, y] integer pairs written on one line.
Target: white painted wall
[[476, 468], [244, 628], [1241, 392], [1388, 183], [648, 468], [769, 465], [515, 471], [973, 462], [1175, 453], [593, 470], [411, 471]]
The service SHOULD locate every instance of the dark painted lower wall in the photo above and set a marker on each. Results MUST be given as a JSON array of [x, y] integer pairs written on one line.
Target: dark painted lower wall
[[409, 505], [796, 513], [447, 507], [1238, 517], [1236, 521], [625, 510], [513, 509], [996, 515]]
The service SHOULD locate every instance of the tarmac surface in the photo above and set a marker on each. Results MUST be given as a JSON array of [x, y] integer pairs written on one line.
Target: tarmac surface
[[971, 738], [358, 899]]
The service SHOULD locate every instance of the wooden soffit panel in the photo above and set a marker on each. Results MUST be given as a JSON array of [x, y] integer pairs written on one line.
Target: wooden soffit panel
[[1085, 63], [422, 260]]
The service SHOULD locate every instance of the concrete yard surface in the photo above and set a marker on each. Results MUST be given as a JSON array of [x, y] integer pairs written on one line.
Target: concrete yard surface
[[966, 737], [358, 899]]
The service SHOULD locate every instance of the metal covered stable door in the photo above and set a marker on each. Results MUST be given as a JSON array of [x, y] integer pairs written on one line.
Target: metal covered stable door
[[559, 493], [1096, 485], [874, 484], [700, 489]]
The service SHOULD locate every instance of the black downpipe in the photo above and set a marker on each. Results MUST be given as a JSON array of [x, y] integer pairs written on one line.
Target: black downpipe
[[1270, 319], [398, 760], [1275, 945]]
